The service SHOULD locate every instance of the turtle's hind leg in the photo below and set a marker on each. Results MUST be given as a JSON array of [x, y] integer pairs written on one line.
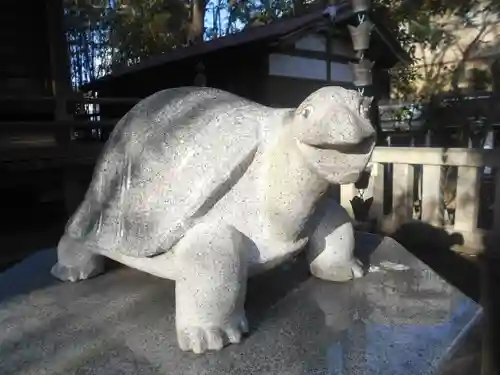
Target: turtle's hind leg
[[210, 287], [330, 249], [75, 261]]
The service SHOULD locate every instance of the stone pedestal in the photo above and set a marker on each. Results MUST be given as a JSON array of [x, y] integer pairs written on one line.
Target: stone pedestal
[[401, 318]]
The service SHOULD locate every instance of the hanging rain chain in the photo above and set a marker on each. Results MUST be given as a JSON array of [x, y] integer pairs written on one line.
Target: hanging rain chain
[[360, 36]]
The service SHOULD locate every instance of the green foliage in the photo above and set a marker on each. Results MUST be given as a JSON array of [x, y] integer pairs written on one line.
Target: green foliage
[[415, 23], [104, 34], [147, 28]]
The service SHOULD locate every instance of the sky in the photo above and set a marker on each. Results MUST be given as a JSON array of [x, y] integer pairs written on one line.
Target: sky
[[223, 13]]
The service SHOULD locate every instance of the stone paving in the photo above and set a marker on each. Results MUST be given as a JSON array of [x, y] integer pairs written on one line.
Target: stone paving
[[402, 318]]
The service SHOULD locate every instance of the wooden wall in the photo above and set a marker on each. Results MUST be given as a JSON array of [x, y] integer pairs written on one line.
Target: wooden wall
[[25, 67], [297, 69], [280, 75], [34, 57]]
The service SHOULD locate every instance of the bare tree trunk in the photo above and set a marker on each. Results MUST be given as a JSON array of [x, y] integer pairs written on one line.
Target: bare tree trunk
[[196, 28]]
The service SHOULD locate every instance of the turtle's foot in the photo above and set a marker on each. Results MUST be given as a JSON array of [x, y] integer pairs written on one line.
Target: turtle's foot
[[338, 272], [200, 339], [210, 287], [331, 246], [75, 262]]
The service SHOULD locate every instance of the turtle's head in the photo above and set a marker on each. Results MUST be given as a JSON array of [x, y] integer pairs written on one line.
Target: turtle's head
[[334, 134]]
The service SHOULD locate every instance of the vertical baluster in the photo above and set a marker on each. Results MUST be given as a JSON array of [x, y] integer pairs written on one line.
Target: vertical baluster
[[432, 195], [496, 204], [402, 204], [347, 192], [467, 199], [375, 190]]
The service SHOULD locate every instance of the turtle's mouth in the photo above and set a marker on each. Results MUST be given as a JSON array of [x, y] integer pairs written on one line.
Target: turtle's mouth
[[338, 163], [359, 148]]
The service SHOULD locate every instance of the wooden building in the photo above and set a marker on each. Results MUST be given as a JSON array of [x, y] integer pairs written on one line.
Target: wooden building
[[277, 64], [35, 60], [35, 85], [34, 80]]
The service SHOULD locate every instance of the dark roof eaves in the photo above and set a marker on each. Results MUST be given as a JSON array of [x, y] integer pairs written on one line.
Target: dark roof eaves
[[244, 37], [275, 30]]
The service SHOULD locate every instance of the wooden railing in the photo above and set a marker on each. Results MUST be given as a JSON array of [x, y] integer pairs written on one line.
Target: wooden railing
[[418, 176], [51, 105], [46, 137]]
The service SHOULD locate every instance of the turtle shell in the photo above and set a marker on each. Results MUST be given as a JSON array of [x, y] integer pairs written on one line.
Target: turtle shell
[[166, 163]]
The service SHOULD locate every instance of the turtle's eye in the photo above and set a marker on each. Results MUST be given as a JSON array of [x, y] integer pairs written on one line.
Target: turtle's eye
[[306, 111]]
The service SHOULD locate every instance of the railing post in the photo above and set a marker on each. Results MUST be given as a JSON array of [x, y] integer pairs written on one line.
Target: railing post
[[402, 203], [347, 192], [375, 190], [432, 195], [496, 204], [467, 199]]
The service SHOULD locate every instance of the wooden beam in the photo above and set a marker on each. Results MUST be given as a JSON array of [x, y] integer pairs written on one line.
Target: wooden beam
[[461, 157], [65, 154], [70, 99], [59, 64], [59, 52], [60, 124]]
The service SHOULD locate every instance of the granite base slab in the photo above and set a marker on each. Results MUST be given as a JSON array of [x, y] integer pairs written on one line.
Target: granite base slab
[[401, 318]]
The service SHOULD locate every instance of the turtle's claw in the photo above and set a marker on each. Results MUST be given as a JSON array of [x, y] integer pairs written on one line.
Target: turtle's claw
[[202, 339]]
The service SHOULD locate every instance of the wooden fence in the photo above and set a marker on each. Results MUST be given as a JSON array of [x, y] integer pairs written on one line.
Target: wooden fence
[[416, 174], [47, 139], [425, 166]]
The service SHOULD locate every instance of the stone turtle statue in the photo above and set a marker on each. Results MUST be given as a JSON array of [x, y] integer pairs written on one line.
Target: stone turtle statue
[[203, 187]]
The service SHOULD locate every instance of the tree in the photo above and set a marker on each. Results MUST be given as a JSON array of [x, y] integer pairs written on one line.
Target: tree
[[197, 22], [428, 29], [141, 28], [105, 34], [442, 36]]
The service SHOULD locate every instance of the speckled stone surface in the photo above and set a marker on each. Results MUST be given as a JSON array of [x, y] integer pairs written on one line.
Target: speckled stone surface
[[399, 319], [188, 154], [203, 187]]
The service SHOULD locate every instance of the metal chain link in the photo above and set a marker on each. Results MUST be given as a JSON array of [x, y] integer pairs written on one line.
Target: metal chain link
[[361, 20], [361, 90]]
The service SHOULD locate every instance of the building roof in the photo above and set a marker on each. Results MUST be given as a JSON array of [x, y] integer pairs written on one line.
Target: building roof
[[340, 14]]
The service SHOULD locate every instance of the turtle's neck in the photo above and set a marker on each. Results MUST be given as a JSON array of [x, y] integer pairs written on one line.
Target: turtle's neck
[[290, 188]]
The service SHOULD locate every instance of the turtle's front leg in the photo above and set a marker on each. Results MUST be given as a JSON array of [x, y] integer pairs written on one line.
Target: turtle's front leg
[[210, 287], [330, 250]]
